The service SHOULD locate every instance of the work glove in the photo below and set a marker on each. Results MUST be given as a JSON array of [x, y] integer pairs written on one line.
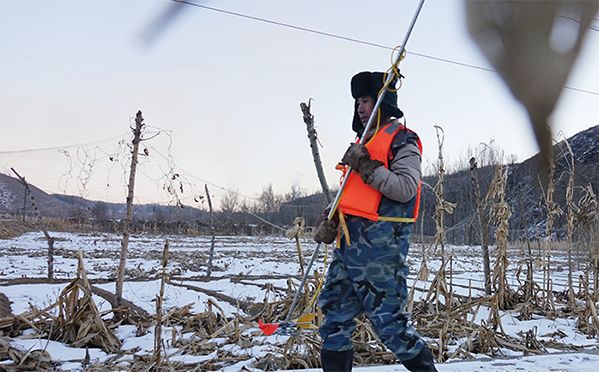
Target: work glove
[[358, 157], [326, 230]]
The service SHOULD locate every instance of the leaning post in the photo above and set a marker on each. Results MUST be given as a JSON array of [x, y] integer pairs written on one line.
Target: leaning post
[[309, 120], [39, 218]]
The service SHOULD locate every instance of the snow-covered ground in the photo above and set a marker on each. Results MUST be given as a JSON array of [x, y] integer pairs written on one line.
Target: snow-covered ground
[[260, 261]]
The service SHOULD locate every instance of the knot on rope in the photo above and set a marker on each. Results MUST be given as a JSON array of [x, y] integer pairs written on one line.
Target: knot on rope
[[446, 206]]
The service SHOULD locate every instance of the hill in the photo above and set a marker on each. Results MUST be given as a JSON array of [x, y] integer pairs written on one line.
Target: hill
[[12, 202], [525, 189]]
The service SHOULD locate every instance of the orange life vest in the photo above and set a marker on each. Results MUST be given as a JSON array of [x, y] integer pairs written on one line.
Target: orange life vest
[[360, 199]]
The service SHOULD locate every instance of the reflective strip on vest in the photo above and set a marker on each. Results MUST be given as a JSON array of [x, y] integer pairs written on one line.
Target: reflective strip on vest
[[396, 219]]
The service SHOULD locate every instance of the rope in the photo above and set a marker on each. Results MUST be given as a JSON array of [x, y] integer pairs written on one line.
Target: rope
[[326, 252], [395, 70], [265, 221]]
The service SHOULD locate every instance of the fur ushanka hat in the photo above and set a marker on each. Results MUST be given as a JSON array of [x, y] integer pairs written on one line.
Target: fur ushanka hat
[[368, 83]]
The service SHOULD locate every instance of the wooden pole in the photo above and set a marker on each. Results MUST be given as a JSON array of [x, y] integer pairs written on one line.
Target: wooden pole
[[552, 208], [126, 224], [483, 225], [24, 201], [49, 239], [211, 232], [309, 120], [570, 218]]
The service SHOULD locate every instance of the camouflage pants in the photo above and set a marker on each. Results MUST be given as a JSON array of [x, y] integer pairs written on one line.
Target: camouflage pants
[[369, 276]]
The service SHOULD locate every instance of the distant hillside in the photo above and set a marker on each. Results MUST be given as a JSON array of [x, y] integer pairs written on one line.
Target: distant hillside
[[12, 194], [68, 206], [523, 183]]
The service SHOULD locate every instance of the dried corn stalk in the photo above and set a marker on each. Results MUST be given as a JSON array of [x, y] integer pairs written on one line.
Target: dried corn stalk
[[156, 356], [529, 286], [570, 218], [441, 208], [276, 311], [588, 321], [296, 232], [586, 210], [501, 211], [439, 287], [423, 275], [30, 360], [552, 209], [79, 319], [586, 219]]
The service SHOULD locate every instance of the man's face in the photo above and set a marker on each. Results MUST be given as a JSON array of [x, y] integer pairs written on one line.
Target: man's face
[[365, 106]]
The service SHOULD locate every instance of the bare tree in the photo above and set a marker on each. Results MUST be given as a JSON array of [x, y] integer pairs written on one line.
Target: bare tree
[[268, 202], [230, 202], [101, 211]]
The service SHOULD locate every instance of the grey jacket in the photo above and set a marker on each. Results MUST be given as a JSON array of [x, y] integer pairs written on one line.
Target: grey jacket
[[400, 181]]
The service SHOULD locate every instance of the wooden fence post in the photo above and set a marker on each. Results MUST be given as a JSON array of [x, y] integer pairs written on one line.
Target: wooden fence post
[[126, 224], [483, 226], [211, 232], [25, 201]]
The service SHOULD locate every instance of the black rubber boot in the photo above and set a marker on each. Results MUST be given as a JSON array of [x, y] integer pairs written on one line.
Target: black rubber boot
[[336, 361], [422, 362]]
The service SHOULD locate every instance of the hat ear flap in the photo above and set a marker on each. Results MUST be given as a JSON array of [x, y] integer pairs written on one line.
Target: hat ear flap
[[357, 125]]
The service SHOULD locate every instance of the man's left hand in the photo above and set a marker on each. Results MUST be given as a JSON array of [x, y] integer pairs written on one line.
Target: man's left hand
[[358, 157]]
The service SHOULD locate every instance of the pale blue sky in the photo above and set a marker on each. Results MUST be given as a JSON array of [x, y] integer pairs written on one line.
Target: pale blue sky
[[229, 88]]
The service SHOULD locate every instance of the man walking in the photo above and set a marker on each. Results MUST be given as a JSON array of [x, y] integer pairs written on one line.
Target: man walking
[[379, 205]]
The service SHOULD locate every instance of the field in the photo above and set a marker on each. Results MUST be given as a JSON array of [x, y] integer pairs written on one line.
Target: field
[[210, 323]]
